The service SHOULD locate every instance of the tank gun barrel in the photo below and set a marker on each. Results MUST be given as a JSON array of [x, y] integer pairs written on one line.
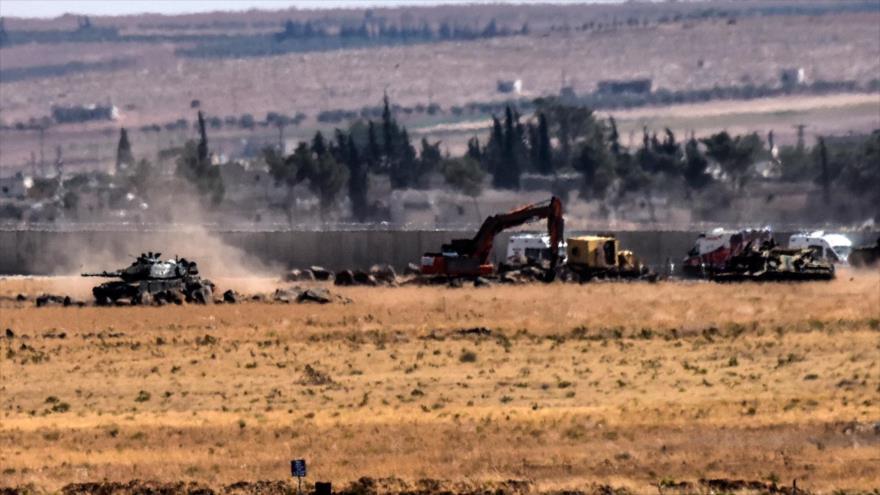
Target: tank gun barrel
[[104, 274]]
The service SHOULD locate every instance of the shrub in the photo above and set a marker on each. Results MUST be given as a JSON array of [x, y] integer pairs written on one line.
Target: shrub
[[468, 357]]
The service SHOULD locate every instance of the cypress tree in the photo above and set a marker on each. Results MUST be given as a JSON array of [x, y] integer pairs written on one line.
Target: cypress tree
[[374, 152], [124, 156], [319, 147], [473, 149], [825, 177], [614, 137], [492, 157], [545, 156], [388, 128], [203, 138], [358, 181]]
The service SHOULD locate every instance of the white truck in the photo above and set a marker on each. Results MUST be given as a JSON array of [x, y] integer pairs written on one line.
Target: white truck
[[530, 248], [831, 247]]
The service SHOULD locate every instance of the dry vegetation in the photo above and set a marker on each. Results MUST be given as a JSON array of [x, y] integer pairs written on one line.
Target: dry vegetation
[[563, 385]]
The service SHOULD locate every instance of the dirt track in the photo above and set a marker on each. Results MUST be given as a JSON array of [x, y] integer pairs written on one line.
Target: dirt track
[[562, 386]]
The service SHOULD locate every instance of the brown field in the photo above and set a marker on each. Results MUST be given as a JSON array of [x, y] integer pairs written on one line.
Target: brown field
[[160, 85], [614, 383]]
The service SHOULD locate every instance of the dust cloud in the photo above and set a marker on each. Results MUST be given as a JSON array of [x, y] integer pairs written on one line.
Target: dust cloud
[[78, 249]]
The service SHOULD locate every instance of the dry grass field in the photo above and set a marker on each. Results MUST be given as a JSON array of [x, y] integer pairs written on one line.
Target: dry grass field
[[566, 386]]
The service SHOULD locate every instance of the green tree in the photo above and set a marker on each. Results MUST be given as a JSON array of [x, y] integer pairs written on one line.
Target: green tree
[[492, 154], [285, 171], [614, 137], [200, 172], [402, 162], [474, 151], [140, 179], [667, 155], [696, 175], [319, 146], [824, 178], [795, 163], [358, 181], [596, 163], [326, 176], [124, 156], [513, 153], [861, 175], [544, 153], [569, 124], [373, 151], [736, 156], [389, 128], [194, 165], [429, 161], [464, 174]]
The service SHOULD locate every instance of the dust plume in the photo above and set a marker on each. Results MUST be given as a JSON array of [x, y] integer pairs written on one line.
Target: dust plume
[[186, 234]]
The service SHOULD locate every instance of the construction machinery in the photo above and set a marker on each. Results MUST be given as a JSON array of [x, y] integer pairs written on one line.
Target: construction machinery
[[150, 279], [600, 256], [713, 250], [768, 262], [469, 258]]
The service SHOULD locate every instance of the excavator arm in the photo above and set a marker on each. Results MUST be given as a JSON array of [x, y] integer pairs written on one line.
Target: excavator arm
[[551, 210], [468, 257]]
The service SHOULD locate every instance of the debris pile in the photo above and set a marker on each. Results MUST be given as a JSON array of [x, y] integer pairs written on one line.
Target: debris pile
[[56, 300], [377, 275], [298, 294]]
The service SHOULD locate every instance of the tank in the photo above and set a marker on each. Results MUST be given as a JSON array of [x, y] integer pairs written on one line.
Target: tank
[[771, 263], [149, 279]]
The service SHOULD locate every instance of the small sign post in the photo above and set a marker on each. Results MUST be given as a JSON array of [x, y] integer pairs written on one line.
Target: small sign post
[[298, 470]]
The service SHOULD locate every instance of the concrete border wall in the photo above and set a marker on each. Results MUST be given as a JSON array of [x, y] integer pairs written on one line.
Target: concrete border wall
[[42, 252]]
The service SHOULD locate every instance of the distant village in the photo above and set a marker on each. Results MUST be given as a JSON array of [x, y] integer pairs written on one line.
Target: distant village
[[376, 175]]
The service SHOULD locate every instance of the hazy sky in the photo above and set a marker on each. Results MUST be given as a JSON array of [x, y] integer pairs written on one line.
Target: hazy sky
[[54, 8]]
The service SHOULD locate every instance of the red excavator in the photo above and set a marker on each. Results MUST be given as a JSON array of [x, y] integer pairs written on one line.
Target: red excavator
[[468, 257]]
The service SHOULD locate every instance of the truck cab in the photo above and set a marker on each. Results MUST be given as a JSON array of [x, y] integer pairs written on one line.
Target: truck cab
[[530, 249], [831, 247]]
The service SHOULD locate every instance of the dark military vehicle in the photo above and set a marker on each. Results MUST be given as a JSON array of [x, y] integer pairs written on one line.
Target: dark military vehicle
[[865, 256], [150, 279], [772, 263]]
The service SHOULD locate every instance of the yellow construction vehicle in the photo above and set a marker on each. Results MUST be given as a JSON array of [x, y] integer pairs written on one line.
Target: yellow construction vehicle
[[594, 256]]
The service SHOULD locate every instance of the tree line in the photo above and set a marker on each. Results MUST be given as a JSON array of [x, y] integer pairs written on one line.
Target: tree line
[[558, 139]]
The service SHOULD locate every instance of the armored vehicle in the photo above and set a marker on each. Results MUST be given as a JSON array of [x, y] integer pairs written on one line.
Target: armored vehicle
[[771, 263], [865, 256], [150, 279]]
